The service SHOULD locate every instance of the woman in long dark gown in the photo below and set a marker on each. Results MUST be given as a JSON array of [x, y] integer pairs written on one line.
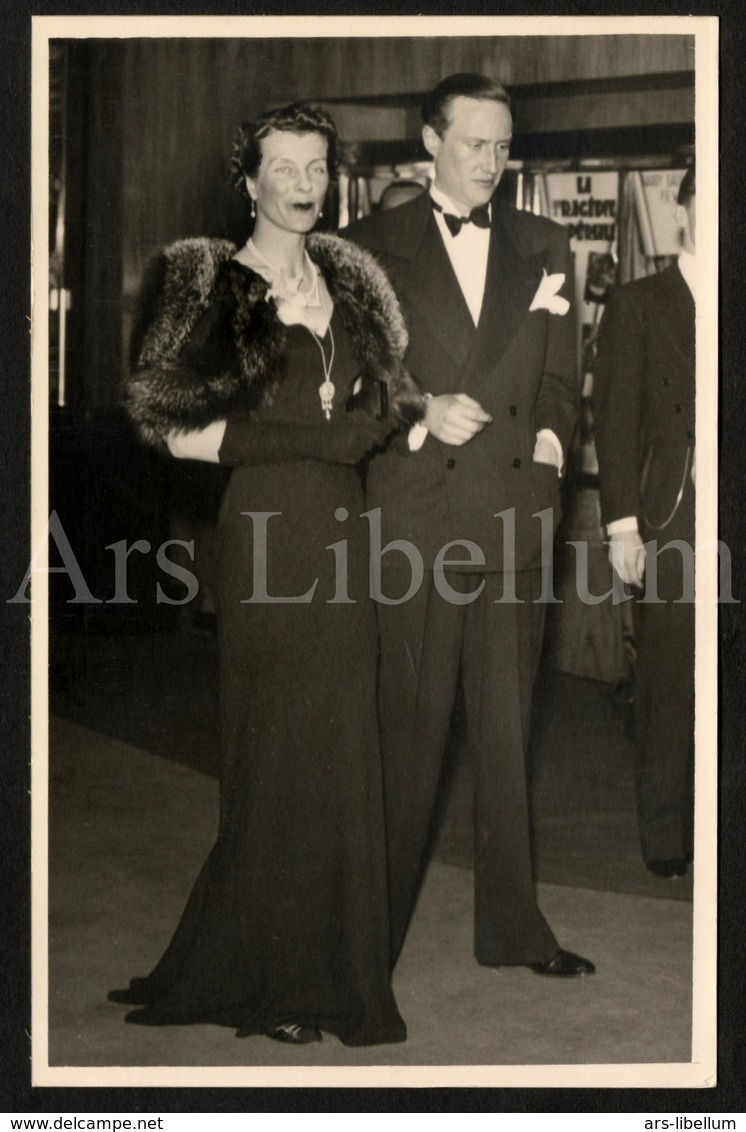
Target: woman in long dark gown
[[283, 360]]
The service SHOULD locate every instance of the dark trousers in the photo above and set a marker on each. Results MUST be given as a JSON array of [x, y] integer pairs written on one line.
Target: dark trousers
[[664, 705], [427, 644]]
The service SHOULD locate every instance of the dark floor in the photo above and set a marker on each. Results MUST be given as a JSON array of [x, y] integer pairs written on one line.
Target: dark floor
[[133, 742], [128, 833], [158, 691]]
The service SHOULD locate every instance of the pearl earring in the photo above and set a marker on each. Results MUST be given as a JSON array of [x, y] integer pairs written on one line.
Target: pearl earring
[[253, 207]]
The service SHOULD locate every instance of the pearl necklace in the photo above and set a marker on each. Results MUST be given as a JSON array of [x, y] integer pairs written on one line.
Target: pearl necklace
[[287, 291]]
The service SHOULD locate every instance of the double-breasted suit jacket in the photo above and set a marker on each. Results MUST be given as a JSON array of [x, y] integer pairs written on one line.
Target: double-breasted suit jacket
[[519, 364], [644, 401]]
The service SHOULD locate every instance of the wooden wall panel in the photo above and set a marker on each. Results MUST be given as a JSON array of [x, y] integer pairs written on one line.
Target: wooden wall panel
[[566, 58], [535, 115], [182, 99], [364, 67], [605, 110], [160, 115], [182, 102], [99, 234]]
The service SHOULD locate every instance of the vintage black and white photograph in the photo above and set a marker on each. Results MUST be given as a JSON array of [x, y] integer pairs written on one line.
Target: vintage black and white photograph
[[375, 518]]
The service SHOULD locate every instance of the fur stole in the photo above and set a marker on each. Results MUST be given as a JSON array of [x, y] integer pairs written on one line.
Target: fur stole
[[167, 392]]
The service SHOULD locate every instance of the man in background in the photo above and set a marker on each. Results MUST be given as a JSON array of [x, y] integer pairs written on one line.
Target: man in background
[[644, 396]]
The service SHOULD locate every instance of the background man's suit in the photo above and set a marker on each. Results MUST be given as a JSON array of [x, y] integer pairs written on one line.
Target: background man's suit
[[644, 396], [520, 367]]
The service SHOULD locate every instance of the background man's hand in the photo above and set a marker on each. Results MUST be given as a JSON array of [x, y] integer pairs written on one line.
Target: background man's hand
[[454, 418], [627, 556]]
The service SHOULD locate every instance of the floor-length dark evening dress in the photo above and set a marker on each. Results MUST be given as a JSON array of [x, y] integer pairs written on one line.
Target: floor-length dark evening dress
[[288, 918]]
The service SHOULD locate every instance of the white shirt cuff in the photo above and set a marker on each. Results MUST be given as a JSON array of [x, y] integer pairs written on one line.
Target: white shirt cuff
[[198, 444], [417, 436], [550, 435], [418, 433], [622, 526]]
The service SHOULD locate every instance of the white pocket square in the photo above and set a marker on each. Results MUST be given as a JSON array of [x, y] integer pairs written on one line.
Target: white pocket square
[[547, 298]]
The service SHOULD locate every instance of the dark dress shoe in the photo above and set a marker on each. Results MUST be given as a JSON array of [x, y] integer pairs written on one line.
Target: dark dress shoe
[[147, 1016], [564, 965], [294, 1033], [669, 870], [136, 994]]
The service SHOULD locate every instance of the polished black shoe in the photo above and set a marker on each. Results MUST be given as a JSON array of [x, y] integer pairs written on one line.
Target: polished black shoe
[[136, 994], [125, 996], [669, 870], [564, 965], [294, 1033], [147, 1016]]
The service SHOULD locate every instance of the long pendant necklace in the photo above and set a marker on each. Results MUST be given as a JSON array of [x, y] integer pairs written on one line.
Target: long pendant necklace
[[288, 291], [326, 389]]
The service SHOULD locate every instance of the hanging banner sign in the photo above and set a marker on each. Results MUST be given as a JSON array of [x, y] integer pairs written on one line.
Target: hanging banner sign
[[586, 203], [655, 199]]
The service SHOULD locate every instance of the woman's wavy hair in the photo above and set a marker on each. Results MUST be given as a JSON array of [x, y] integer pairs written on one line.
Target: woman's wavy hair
[[297, 118]]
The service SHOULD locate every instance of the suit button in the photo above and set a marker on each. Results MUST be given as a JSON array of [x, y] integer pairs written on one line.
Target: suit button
[[517, 462], [451, 463], [689, 434], [666, 380], [512, 410], [677, 408]]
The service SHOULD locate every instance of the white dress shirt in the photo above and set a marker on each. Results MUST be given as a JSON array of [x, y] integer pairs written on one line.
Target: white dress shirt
[[468, 253]]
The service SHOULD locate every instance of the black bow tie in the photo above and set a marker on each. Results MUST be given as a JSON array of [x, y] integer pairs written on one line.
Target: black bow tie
[[480, 217]]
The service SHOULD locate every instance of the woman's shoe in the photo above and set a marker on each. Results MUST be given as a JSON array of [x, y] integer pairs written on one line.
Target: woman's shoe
[[296, 1033]]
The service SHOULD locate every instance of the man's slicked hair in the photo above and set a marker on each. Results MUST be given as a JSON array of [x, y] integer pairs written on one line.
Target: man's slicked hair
[[465, 84]]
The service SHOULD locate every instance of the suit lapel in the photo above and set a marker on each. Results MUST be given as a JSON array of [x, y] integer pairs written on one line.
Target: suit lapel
[[677, 316], [510, 286], [435, 290]]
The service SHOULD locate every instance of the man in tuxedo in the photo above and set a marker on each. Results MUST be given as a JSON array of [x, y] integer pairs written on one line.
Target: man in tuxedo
[[486, 292], [644, 421]]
